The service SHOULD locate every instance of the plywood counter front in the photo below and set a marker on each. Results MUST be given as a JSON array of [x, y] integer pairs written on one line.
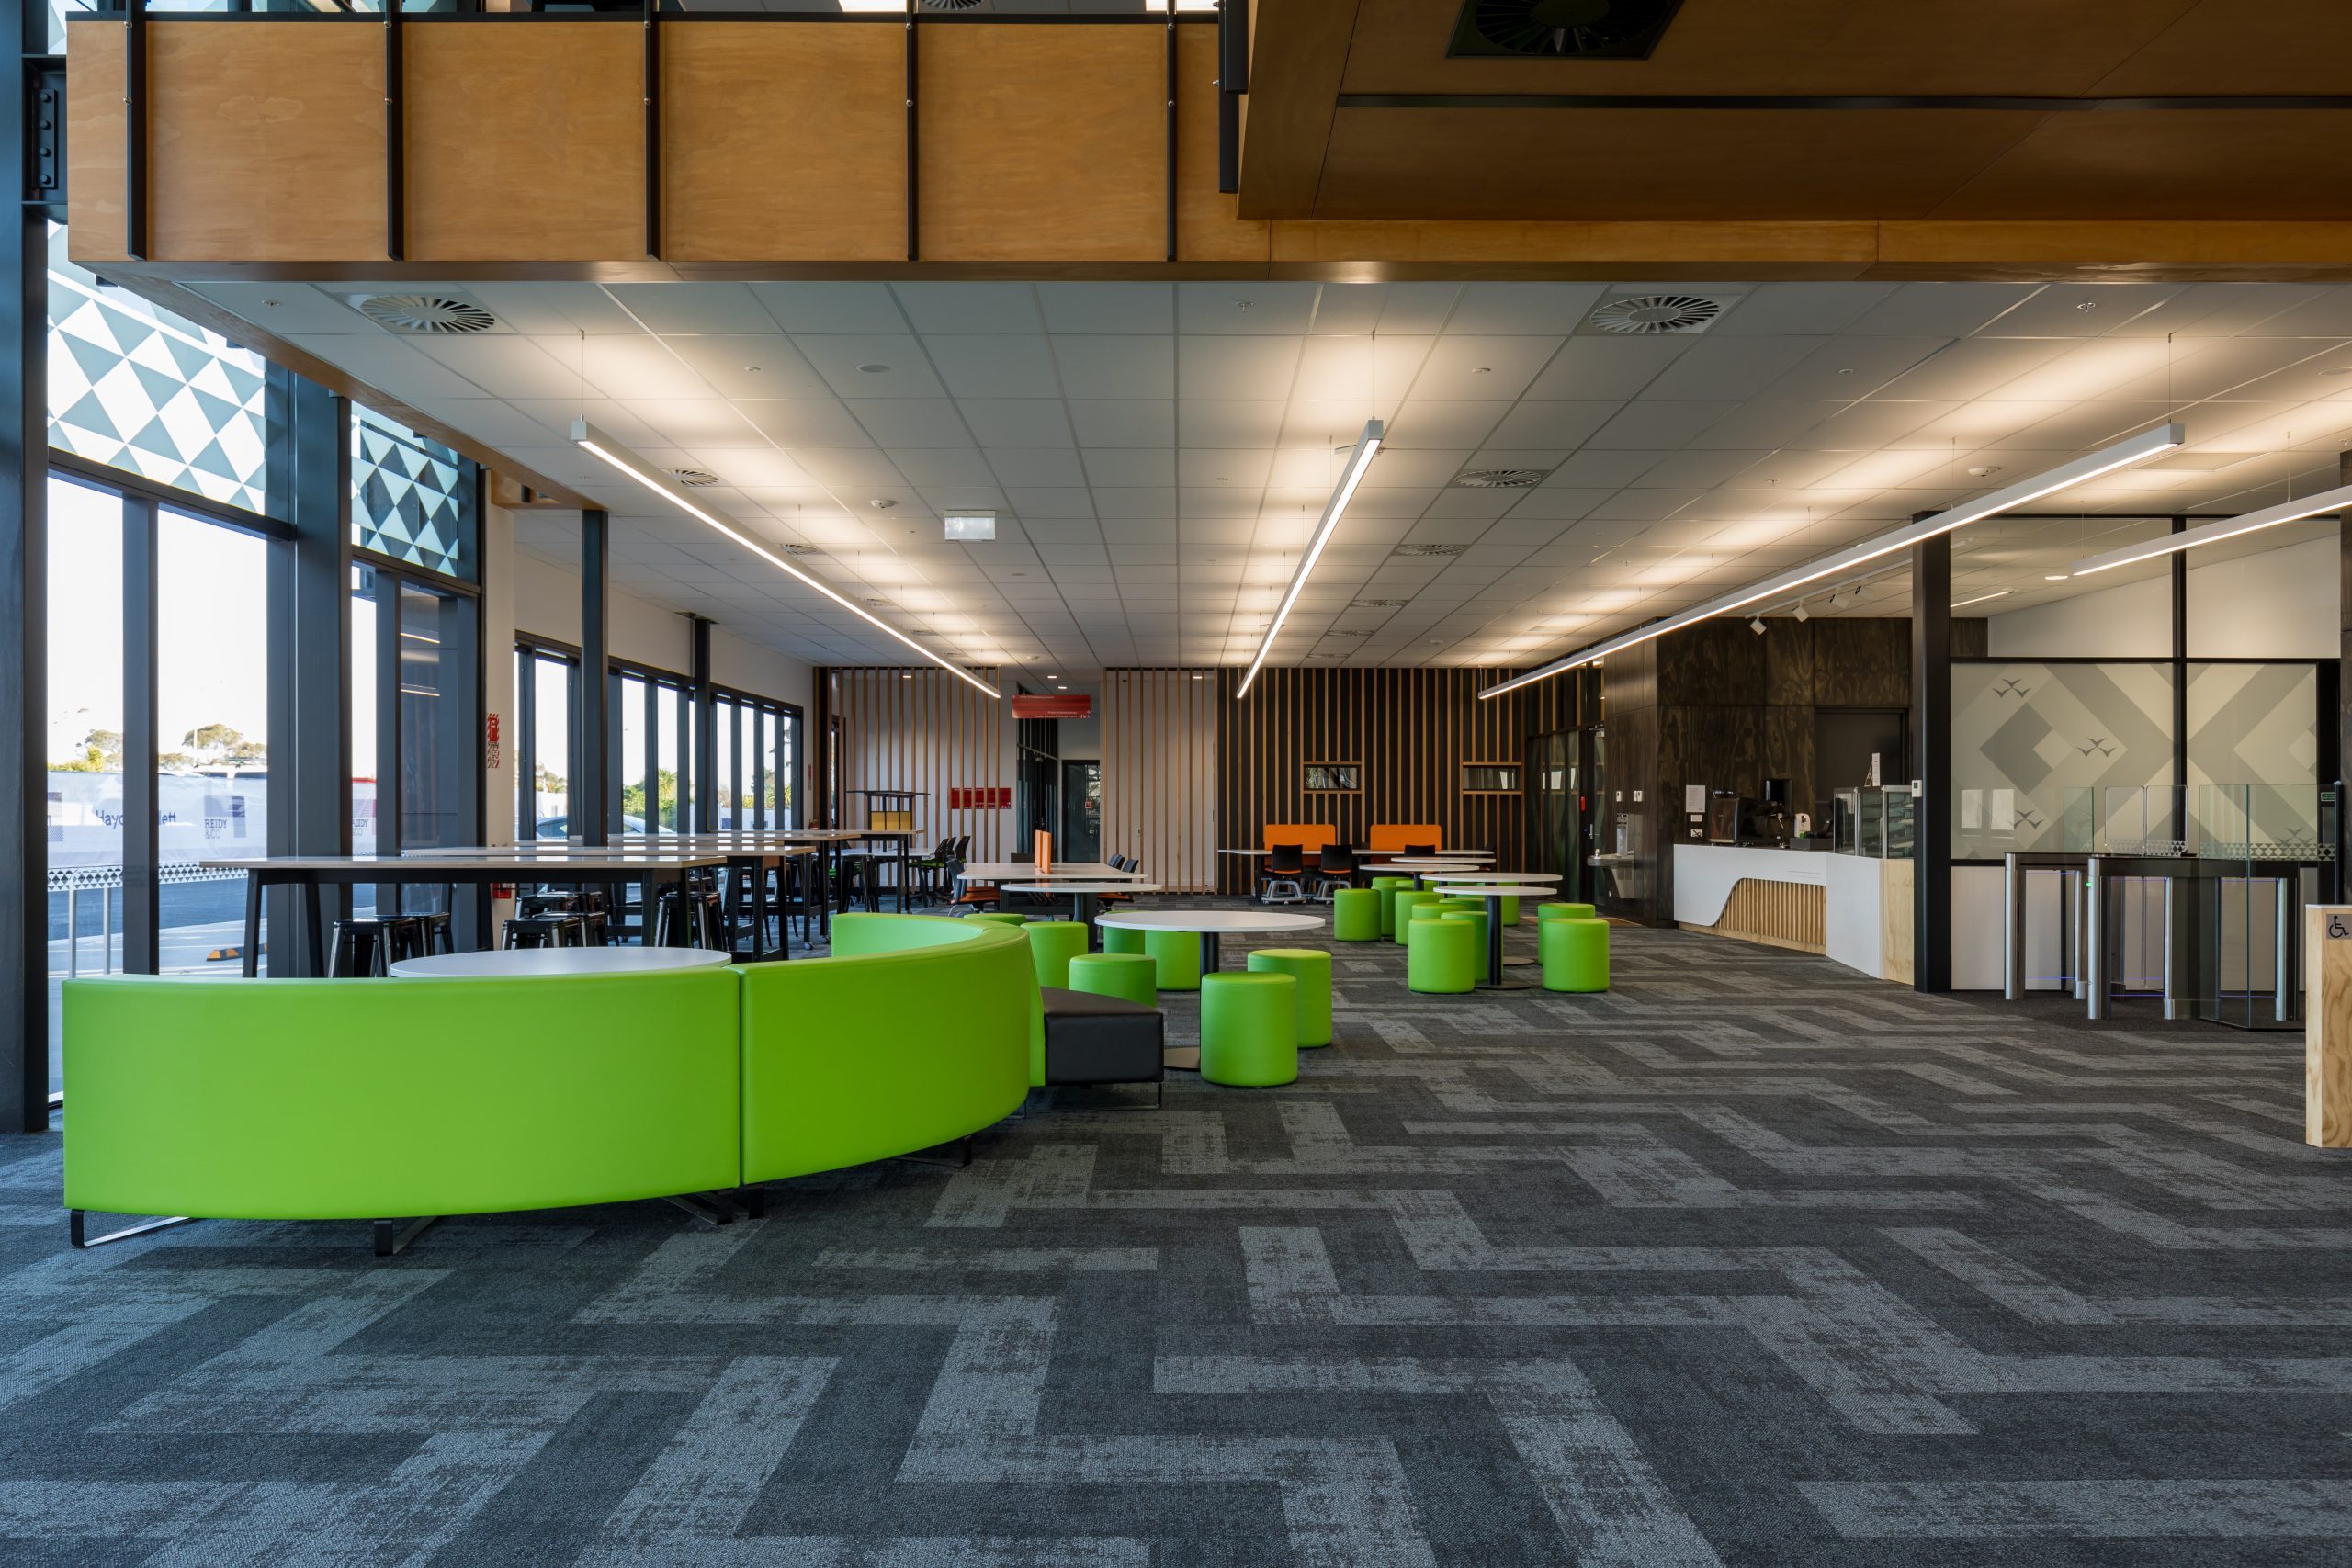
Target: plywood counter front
[[1855, 911]]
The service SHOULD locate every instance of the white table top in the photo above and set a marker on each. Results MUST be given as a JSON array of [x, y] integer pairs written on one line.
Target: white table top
[[1454, 876], [541, 849], [1442, 862], [547, 962], [1053, 888], [1077, 871], [1261, 854], [1218, 921], [418, 869], [1487, 889]]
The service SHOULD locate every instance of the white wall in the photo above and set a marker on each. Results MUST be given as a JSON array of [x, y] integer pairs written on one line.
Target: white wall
[[2279, 604]]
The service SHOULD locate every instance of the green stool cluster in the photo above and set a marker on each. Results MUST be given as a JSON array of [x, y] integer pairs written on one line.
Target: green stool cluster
[[1355, 915], [1250, 1028], [1563, 912], [1409, 903], [1122, 939], [1476, 919], [1311, 967], [1132, 977], [1575, 954], [1388, 887], [1052, 945], [1440, 955]]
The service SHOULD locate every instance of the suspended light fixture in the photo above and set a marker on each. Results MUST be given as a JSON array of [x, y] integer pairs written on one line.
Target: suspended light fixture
[[2326, 501], [1344, 492], [598, 445], [2105, 460]]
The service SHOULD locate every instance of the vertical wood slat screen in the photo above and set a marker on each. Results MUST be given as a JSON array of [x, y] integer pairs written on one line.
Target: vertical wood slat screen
[[930, 734], [1410, 729], [1160, 764]]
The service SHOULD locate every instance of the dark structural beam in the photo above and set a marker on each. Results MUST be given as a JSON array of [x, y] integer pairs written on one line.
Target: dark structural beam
[[142, 856], [703, 753], [1931, 752], [592, 798]]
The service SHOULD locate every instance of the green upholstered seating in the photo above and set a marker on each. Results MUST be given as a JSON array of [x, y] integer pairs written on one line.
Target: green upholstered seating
[[1388, 887], [1563, 912], [1311, 967], [1575, 954], [1052, 944], [1355, 915], [1131, 976], [1511, 909], [1177, 954], [1249, 1029], [1121, 939], [1409, 902], [1440, 955], [999, 917], [1476, 921]]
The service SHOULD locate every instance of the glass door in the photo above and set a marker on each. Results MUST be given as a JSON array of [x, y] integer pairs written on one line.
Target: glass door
[[1081, 834]]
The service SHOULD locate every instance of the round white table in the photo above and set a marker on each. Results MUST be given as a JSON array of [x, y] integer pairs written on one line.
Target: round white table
[[1494, 893], [1211, 924], [1084, 897], [516, 962], [1418, 867]]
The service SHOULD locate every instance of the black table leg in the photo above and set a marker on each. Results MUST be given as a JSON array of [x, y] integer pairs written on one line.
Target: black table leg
[[1082, 907], [253, 926], [1208, 952], [1494, 941], [315, 927]]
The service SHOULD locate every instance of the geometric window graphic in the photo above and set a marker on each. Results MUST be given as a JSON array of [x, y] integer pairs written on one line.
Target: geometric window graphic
[[407, 494], [135, 387]]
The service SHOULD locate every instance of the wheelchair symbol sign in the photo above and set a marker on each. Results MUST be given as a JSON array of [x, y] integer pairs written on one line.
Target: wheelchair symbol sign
[[2339, 928]]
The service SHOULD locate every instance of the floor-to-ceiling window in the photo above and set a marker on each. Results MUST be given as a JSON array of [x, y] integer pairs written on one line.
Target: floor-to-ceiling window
[[547, 738], [85, 736], [755, 757]]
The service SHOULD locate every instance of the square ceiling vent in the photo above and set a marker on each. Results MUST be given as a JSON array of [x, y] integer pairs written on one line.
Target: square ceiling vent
[[1560, 29]]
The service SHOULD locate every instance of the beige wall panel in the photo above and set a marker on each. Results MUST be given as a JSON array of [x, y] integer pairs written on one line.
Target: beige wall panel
[[1160, 774], [526, 142], [922, 729], [1044, 142], [94, 140], [784, 141], [1206, 227], [266, 142]]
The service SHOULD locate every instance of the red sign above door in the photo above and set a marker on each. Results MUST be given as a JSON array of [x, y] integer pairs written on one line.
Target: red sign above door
[[1055, 704]]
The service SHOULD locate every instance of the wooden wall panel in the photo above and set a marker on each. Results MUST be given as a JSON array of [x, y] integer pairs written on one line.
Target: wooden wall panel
[[923, 730], [738, 100], [1208, 225], [95, 151], [1044, 144], [1161, 760], [525, 141], [266, 143], [1776, 914]]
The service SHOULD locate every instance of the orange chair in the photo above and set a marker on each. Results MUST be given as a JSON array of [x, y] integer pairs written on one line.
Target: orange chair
[[1395, 837]]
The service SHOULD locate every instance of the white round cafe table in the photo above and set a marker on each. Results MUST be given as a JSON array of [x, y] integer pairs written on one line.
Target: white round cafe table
[[545, 962], [1494, 893], [1211, 924], [1535, 878], [1084, 897]]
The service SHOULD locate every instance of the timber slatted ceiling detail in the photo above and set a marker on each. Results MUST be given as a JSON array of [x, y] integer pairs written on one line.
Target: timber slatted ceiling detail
[[1161, 772], [1411, 728], [927, 731]]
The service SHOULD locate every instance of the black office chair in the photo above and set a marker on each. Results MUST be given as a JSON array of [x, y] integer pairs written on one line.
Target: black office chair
[[1423, 850], [1338, 869], [1284, 868]]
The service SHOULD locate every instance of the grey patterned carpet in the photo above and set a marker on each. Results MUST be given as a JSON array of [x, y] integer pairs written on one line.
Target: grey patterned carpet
[[1749, 1261]]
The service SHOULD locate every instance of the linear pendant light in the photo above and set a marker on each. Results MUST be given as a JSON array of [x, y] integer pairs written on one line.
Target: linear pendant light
[[2105, 460], [2326, 501], [595, 443], [1344, 492]]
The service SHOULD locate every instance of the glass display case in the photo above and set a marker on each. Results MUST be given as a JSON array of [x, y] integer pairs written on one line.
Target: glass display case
[[1876, 824]]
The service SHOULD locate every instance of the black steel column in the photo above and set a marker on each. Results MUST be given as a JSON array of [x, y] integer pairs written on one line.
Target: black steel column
[[703, 752], [24, 606], [592, 794], [1932, 754], [1232, 82], [141, 939], [2343, 686]]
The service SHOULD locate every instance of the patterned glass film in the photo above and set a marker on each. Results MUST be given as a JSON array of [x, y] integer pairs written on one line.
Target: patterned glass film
[[408, 495], [2061, 757], [2253, 760], [134, 387]]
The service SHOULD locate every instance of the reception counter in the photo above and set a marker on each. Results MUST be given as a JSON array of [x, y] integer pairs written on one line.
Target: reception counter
[[1847, 908]]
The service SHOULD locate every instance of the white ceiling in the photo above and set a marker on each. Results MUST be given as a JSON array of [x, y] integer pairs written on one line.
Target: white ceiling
[[1158, 452]]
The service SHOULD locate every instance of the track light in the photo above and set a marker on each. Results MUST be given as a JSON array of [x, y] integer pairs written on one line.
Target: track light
[[1344, 492], [2326, 501], [1756, 625], [1803, 614], [598, 445], [2105, 460]]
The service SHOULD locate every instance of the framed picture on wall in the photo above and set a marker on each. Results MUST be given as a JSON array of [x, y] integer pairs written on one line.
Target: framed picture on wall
[[1333, 778]]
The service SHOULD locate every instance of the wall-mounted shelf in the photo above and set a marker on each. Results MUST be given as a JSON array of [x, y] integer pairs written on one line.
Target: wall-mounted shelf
[[1490, 778]]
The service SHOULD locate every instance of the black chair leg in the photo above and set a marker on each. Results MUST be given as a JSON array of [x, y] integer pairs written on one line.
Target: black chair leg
[[77, 1229], [392, 1242]]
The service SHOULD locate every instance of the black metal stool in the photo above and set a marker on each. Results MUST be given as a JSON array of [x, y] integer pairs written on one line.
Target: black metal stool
[[371, 944], [554, 929]]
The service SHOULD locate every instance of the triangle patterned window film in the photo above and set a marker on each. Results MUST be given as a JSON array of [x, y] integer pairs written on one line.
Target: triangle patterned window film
[[134, 387], [407, 494]]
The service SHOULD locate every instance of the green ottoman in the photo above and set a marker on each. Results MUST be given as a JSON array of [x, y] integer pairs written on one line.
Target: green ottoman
[[1177, 954], [1052, 944], [1249, 1029], [1575, 954], [1311, 967], [1440, 955], [1511, 909], [1410, 902], [1563, 912], [1355, 915], [1475, 919], [1121, 939], [1388, 887], [1132, 977], [1001, 920]]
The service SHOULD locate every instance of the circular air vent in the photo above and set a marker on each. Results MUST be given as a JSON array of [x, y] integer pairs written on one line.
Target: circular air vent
[[949, 4], [434, 314], [1567, 26], [1429, 550], [1649, 313], [694, 478], [1501, 479]]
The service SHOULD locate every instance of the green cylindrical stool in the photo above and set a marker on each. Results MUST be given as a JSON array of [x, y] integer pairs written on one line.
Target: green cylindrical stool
[[1511, 909], [1311, 967], [1178, 955], [1388, 887], [1440, 955], [1575, 954], [996, 919], [1410, 902], [1132, 977], [1355, 916], [1250, 1028], [1052, 944], [1563, 912], [1121, 939], [1475, 919]]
